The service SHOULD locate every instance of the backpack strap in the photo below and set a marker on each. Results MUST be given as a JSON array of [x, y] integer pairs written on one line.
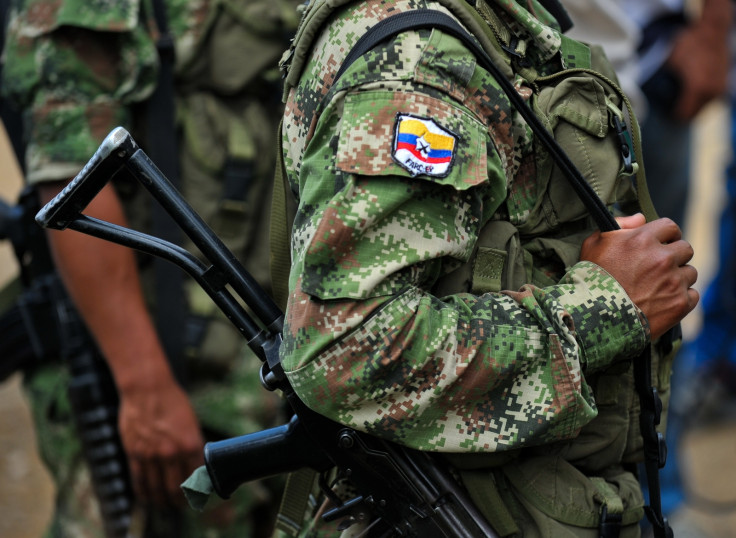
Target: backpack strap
[[283, 209], [163, 150]]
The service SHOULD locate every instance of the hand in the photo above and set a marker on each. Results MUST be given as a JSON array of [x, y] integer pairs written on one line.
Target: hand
[[700, 58], [161, 436], [650, 261]]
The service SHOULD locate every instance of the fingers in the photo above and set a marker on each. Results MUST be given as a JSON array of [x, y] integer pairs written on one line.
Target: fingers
[[157, 481], [632, 221], [693, 297], [174, 473], [162, 439], [682, 252], [138, 478], [158, 494], [665, 230], [650, 261]]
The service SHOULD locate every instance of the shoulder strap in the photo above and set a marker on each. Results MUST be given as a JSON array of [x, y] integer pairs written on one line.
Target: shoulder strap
[[655, 449], [162, 148], [283, 209]]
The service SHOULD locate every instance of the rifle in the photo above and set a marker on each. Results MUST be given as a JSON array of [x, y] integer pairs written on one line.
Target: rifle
[[42, 326], [400, 491]]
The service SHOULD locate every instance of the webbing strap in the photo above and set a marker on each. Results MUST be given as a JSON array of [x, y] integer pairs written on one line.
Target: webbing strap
[[483, 489], [613, 502], [281, 223], [295, 500], [163, 150]]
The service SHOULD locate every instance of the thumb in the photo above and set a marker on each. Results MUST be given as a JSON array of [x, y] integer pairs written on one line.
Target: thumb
[[632, 221]]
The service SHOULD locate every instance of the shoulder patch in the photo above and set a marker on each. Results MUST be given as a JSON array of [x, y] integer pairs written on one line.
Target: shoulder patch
[[385, 132], [421, 146]]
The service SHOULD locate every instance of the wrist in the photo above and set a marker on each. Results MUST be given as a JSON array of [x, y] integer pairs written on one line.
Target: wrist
[[141, 372]]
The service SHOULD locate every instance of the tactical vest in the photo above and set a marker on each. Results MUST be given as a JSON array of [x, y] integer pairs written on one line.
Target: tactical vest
[[571, 488], [227, 114]]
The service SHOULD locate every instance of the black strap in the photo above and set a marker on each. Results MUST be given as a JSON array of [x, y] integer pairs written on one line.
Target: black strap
[[655, 447], [162, 147], [651, 407]]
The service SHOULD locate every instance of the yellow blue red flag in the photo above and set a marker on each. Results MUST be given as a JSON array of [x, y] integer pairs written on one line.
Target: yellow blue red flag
[[421, 146]]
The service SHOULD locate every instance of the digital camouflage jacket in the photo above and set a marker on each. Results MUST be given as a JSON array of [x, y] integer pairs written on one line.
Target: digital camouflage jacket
[[397, 171], [77, 67], [413, 168]]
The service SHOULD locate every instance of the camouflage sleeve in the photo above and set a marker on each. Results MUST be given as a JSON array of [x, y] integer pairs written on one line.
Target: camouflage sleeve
[[394, 184], [461, 373], [74, 68]]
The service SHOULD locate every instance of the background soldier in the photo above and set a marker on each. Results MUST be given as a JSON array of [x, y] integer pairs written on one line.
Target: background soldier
[[79, 69]]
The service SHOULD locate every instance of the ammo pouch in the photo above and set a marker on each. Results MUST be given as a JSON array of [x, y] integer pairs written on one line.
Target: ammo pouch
[[547, 497]]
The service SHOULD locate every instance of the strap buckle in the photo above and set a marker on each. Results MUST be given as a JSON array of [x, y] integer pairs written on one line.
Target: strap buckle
[[610, 524], [516, 49], [625, 144]]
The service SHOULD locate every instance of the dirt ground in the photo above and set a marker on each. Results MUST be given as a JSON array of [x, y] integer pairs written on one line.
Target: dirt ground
[[709, 454]]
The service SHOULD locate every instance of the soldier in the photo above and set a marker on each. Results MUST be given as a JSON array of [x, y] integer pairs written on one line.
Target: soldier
[[449, 291], [78, 70]]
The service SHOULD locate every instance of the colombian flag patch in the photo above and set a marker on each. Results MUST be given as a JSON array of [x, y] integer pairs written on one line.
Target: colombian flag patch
[[421, 146]]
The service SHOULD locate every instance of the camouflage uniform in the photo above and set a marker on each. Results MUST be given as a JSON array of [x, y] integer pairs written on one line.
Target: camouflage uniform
[[81, 68], [436, 298]]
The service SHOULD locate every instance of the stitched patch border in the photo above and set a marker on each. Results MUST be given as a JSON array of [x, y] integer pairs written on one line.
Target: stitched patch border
[[423, 146]]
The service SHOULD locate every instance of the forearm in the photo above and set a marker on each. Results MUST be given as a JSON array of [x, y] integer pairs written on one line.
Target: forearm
[[102, 279], [491, 372]]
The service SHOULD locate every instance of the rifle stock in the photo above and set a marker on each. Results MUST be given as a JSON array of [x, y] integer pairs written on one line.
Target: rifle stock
[[401, 491]]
